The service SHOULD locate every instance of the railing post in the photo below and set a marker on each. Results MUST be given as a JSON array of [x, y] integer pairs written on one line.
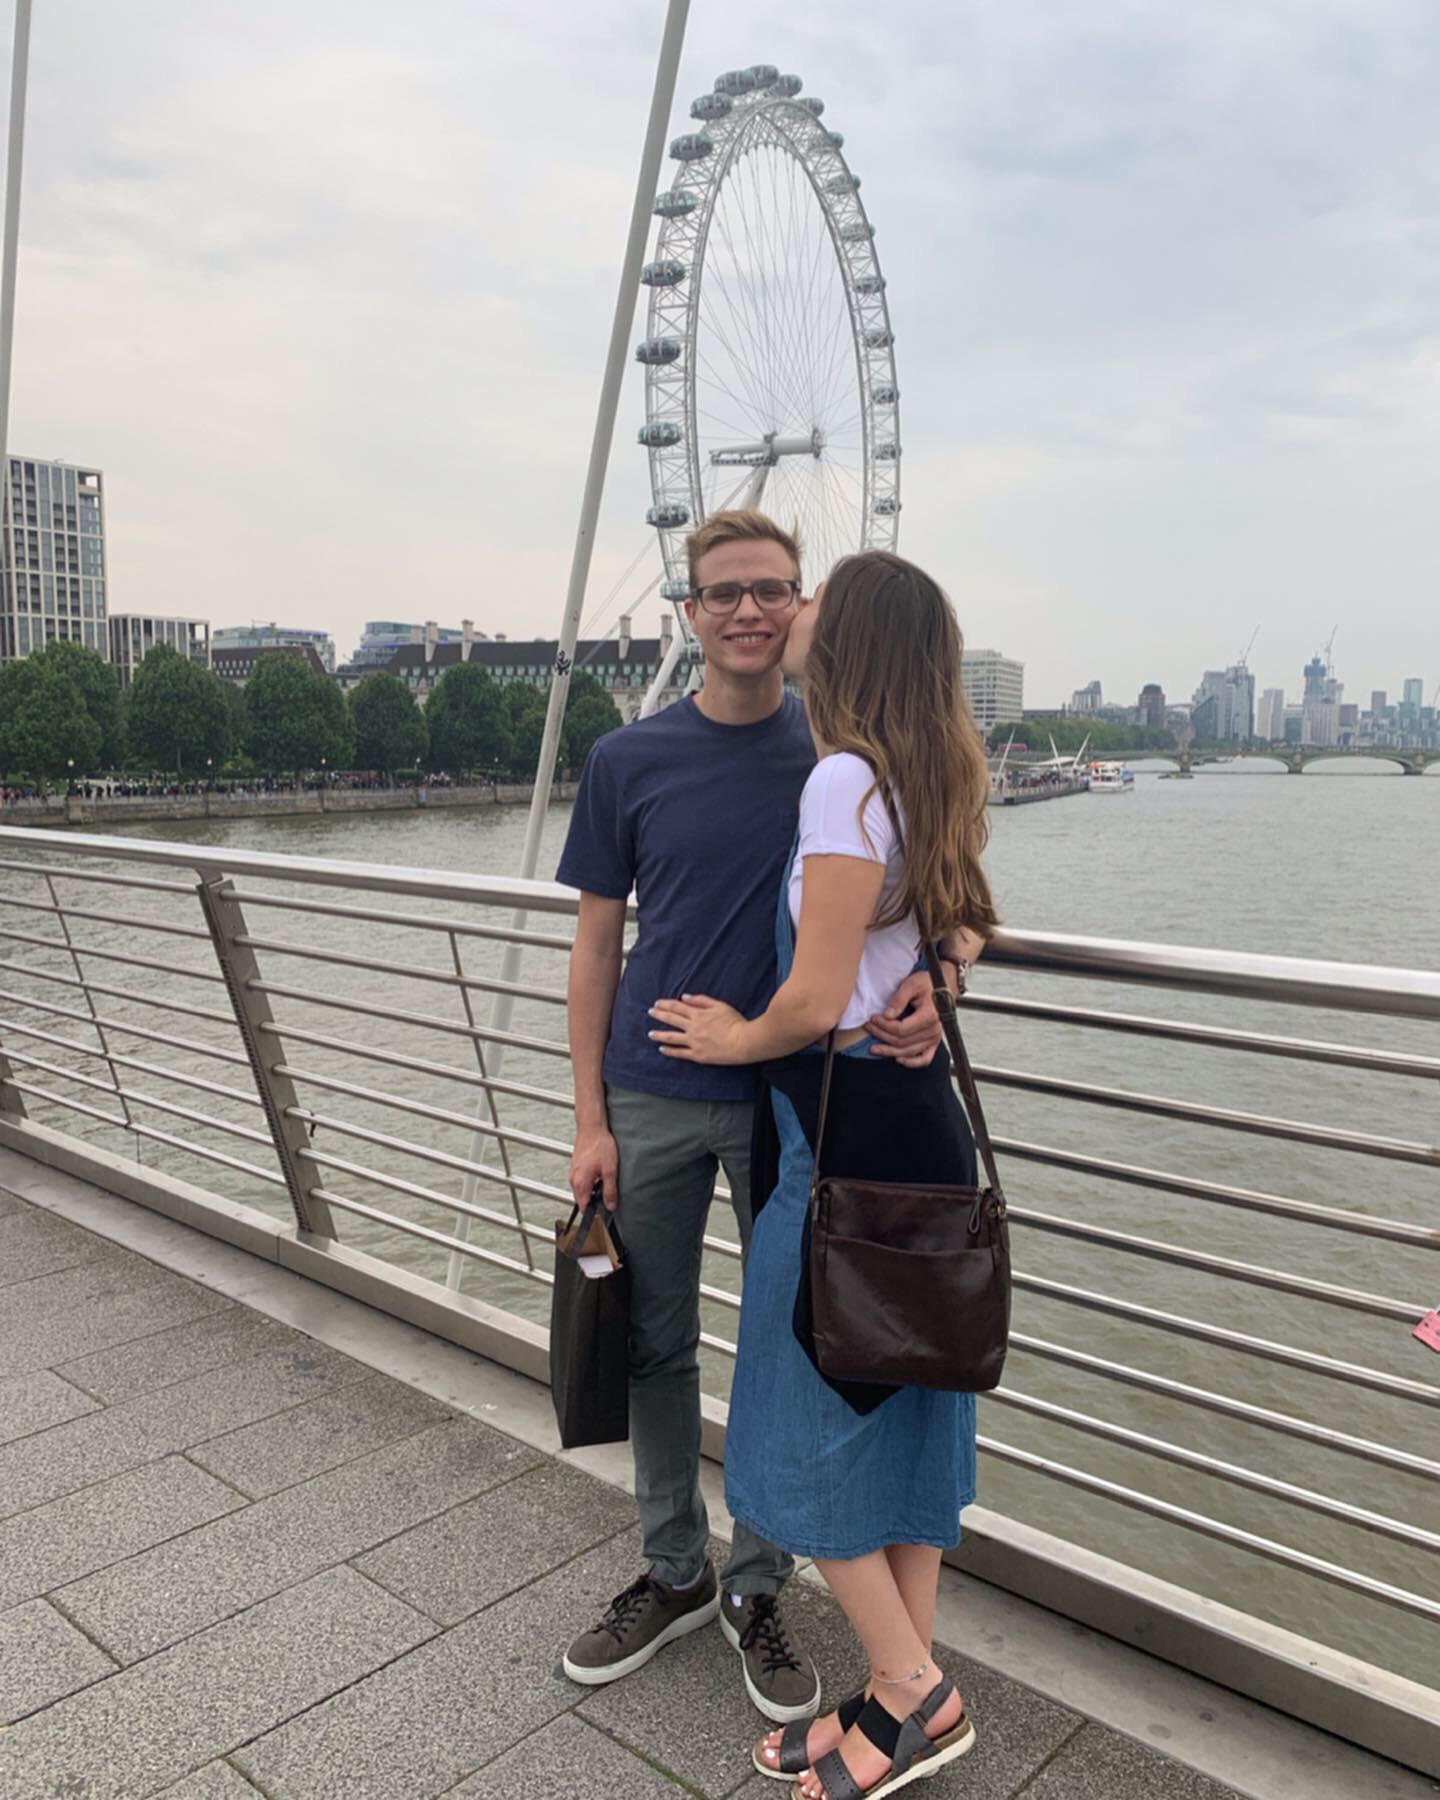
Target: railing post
[[252, 1011], [12, 1101]]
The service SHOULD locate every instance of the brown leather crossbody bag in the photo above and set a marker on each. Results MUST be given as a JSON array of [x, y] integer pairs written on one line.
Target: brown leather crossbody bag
[[910, 1284]]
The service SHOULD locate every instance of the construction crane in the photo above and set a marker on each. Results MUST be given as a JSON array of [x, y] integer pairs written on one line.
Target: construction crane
[[1329, 645], [1244, 662]]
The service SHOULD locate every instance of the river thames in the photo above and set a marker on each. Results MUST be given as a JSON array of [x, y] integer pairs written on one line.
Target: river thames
[[1340, 863]]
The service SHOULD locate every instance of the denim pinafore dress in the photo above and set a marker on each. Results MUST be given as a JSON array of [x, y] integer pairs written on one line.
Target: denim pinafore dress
[[802, 1467]]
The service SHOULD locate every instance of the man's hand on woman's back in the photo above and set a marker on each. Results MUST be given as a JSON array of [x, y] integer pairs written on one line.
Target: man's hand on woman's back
[[909, 1028]]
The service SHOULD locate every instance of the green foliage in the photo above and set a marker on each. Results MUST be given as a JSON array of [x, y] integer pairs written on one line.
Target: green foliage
[[589, 714], [528, 706], [99, 689], [1069, 734], [390, 729], [295, 718], [469, 721], [176, 714], [45, 726]]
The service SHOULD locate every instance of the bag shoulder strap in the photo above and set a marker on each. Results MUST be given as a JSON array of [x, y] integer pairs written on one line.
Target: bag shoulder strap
[[825, 1081], [964, 1074]]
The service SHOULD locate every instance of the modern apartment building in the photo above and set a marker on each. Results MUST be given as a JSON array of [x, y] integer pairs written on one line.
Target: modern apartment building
[[381, 638], [52, 562], [994, 686], [276, 637], [134, 635], [1270, 716]]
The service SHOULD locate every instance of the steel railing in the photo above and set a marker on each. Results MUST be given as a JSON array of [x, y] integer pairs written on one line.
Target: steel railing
[[1229, 1298]]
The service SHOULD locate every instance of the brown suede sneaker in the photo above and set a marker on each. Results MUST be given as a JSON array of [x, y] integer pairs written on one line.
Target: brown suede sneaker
[[781, 1679], [637, 1623]]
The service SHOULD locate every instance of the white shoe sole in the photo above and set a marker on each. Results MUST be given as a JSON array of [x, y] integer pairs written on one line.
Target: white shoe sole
[[769, 1709], [682, 1627]]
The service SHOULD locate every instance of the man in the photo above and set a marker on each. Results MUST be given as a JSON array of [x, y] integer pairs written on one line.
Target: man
[[695, 809]]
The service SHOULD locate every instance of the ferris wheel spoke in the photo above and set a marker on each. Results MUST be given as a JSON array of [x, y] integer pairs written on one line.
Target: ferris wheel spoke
[[709, 319]]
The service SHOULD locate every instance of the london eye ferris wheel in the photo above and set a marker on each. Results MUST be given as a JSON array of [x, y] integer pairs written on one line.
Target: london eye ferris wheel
[[769, 356]]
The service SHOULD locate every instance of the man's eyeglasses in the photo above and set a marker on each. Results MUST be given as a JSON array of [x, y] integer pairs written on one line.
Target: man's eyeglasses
[[725, 596]]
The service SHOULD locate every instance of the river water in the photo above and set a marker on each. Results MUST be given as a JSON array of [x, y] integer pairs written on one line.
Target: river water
[[1343, 862]]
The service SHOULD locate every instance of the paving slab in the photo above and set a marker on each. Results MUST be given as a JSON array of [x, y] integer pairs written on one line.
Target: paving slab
[[571, 1758], [154, 1599], [10, 1203], [146, 1727], [88, 1530], [472, 1555], [277, 1452], [122, 1437], [179, 1354], [1099, 1764], [36, 1401], [216, 1781], [42, 1658], [109, 1300], [37, 1243], [435, 1716]]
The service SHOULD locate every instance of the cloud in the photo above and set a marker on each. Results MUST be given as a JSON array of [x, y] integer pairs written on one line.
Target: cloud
[[326, 290]]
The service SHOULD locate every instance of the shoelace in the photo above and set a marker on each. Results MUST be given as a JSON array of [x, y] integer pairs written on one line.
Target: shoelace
[[625, 1608], [766, 1624]]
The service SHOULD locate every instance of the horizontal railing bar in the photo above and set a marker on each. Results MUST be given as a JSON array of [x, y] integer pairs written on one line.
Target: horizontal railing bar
[[65, 872], [1220, 1335], [1226, 1268], [140, 1031], [1261, 1417], [483, 1215], [441, 1115], [1285, 980], [80, 912], [376, 965], [118, 993], [376, 915], [421, 1065], [136, 1098], [1225, 1118], [1213, 1528], [443, 1238], [443, 1158], [1234, 1473], [1387, 1062], [1294, 981], [116, 956], [398, 1016], [1304, 1212], [146, 1131], [115, 1059]]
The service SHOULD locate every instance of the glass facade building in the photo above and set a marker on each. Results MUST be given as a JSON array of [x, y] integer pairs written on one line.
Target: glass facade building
[[52, 561], [134, 635], [277, 637]]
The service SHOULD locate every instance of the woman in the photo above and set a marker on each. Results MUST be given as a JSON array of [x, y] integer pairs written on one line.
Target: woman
[[868, 1481]]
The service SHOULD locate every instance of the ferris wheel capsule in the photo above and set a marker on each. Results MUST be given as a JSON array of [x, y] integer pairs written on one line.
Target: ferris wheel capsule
[[887, 452], [881, 338], [657, 351], [711, 106], [887, 506], [834, 139], [884, 395], [663, 274], [869, 284], [858, 231], [668, 516], [674, 590], [735, 82], [764, 75], [813, 104], [692, 146], [843, 184], [787, 86], [660, 435], [674, 203]]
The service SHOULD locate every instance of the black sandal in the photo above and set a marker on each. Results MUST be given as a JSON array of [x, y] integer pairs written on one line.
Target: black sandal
[[795, 1738], [913, 1753]]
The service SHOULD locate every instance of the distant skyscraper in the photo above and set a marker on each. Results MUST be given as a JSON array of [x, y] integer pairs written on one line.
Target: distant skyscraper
[[53, 558], [1087, 700], [994, 686], [1414, 692], [134, 635], [1377, 704], [1151, 706], [1224, 705], [1315, 673], [1270, 716]]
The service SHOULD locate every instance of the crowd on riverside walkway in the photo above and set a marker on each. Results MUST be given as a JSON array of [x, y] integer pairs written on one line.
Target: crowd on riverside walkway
[[17, 795]]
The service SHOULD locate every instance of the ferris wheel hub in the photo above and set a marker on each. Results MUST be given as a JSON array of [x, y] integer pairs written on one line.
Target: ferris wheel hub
[[768, 451]]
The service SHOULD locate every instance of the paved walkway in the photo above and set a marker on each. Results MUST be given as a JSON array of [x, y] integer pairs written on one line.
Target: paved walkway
[[235, 1562]]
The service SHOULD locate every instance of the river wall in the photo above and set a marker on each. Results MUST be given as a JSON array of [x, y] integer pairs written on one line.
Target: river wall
[[63, 809]]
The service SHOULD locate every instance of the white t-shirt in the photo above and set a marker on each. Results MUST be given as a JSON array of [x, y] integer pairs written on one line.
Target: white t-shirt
[[830, 825]]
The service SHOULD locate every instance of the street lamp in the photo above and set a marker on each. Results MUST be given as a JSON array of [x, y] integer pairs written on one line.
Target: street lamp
[[70, 773]]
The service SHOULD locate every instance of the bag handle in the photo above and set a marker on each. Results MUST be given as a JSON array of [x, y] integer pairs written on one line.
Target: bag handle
[[960, 1065]]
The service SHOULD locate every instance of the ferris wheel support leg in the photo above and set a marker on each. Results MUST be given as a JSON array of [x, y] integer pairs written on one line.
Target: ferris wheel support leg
[[661, 101], [668, 665], [14, 162], [755, 493]]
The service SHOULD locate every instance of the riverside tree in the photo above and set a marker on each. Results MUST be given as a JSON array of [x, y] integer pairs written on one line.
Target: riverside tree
[[45, 726], [176, 714], [99, 687], [295, 717], [468, 721], [390, 729]]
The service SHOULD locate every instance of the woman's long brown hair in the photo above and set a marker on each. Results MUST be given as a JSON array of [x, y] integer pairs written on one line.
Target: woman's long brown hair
[[883, 680]]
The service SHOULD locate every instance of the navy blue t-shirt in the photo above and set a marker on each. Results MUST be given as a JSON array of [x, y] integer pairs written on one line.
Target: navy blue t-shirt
[[697, 819]]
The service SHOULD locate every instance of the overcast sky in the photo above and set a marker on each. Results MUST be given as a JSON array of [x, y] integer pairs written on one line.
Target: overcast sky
[[324, 287]]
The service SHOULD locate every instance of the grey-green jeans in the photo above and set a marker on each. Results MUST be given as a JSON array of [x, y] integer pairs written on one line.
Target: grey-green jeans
[[669, 1152]]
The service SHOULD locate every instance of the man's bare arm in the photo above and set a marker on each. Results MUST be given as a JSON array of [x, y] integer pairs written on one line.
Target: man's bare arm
[[594, 976]]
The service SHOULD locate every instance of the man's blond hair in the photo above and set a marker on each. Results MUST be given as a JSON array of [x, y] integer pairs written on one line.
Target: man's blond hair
[[743, 525]]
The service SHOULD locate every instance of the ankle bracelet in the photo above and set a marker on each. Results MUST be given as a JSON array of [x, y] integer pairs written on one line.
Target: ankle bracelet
[[901, 1680]]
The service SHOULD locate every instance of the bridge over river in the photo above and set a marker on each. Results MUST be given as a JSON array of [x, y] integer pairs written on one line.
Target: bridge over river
[[1293, 759]]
